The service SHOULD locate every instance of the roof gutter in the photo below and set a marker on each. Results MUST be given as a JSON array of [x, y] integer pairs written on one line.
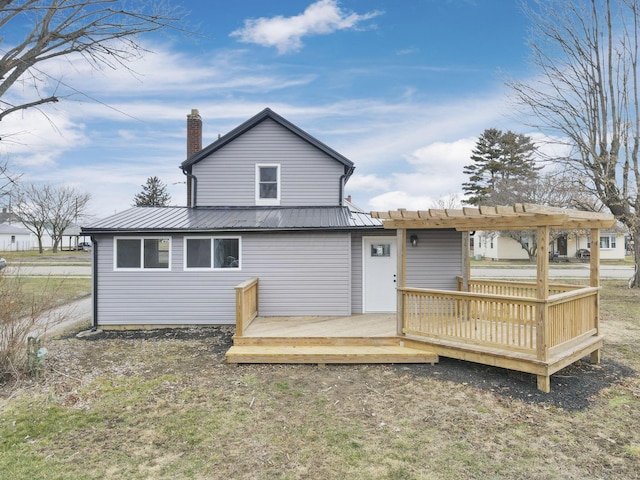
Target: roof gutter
[[191, 202], [94, 277], [343, 180]]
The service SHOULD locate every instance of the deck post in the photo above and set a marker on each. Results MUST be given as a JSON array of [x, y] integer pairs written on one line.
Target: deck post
[[594, 281], [401, 278], [466, 260], [542, 310], [542, 293]]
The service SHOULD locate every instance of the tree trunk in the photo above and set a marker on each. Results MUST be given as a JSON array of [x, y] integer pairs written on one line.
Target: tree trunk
[[634, 281], [40, 249]]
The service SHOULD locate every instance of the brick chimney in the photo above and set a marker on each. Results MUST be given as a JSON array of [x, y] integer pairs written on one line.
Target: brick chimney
[[194, 133], [194, 144]]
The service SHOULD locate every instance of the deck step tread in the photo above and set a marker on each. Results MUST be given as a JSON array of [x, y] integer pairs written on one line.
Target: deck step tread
[[328, 354]]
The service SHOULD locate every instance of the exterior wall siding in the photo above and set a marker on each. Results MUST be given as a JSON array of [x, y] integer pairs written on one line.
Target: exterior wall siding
[[308, 176], [300, 274], [436, 261]]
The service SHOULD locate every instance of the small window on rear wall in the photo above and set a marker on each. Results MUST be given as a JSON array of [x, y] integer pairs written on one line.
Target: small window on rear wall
[[267, 184], [143, 253], [212, 253]]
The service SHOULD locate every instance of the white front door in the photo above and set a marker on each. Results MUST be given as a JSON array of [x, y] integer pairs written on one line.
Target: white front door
[[379, 274]]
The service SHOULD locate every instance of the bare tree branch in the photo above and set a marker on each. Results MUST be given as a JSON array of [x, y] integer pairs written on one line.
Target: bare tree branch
[[103, 32], [586, 54]]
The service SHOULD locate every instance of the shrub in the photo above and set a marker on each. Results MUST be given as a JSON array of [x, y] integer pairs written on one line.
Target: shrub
[[24, 312]]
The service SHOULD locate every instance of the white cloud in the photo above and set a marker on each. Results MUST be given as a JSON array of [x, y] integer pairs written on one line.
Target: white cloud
[[30, 138], [285, 33], [367, 183], [400, 199]]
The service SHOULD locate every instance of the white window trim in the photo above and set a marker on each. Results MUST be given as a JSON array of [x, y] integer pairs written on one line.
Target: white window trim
[[211, 268], [610, 237], [141, 267], [268, 201]]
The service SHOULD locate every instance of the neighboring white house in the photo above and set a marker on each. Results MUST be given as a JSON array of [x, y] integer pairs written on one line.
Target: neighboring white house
[[493, 246], [15, 238]]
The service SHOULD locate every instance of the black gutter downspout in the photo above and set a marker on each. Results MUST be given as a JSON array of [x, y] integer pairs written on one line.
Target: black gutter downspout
[[343, 177], [94, 248], [192, 201]]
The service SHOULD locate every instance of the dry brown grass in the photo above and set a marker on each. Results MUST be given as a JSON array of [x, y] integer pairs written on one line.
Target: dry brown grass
[[167, 406]]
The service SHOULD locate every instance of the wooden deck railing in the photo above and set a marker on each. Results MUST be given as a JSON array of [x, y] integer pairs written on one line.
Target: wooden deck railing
[[503, 322], [514, 288], [246, 304]]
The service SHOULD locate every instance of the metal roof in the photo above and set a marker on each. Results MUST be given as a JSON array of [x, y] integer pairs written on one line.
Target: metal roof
[[255, 120], [199, 219]]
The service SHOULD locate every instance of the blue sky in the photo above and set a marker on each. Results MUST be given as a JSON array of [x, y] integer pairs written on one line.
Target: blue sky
[[402, 88]]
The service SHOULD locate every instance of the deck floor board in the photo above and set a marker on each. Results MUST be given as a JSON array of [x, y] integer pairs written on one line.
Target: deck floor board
[[363, 325]]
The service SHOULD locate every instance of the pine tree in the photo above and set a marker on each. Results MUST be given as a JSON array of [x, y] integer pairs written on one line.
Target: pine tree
[[154, 194], [499, 159]]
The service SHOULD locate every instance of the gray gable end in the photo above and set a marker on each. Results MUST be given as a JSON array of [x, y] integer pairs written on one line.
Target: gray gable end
[[267, 113]]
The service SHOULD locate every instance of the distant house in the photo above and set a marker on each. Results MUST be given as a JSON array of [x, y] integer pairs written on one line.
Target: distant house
[[494, 246], [265, 200], [15, 238]]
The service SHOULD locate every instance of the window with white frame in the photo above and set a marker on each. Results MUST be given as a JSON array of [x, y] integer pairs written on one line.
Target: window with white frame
[[608, 242], [268, 184], [142, 253], [208, 253]]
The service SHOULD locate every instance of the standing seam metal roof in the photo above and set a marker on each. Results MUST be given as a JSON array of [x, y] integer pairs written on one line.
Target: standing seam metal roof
[[186, 219]]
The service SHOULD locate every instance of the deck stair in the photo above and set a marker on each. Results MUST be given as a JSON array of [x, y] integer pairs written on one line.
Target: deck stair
[[326, 350]]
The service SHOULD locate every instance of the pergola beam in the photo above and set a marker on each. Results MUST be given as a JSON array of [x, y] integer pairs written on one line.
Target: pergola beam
[[516, 217]]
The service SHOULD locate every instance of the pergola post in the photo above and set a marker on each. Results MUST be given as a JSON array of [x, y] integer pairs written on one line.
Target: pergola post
[[401, 277], [594, 281], [542, 293], [466, 260]]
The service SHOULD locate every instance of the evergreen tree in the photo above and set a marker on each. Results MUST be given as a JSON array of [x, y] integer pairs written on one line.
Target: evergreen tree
[[154, 194], [499, 158]]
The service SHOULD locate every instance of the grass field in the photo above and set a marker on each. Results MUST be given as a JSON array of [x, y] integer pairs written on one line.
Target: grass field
[[166, 406]]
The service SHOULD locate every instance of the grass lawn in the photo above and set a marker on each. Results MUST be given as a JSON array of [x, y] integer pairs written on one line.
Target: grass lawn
[[164, 405]]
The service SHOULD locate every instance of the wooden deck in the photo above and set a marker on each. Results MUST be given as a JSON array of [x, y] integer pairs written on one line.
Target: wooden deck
[[354, 339], [365, 325], [505, 324]]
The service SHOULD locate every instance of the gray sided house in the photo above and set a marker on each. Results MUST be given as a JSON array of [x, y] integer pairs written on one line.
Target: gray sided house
[[265, 200]]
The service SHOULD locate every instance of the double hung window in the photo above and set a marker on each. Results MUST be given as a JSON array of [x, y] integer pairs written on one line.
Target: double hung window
[[267, 184], [608, 242]]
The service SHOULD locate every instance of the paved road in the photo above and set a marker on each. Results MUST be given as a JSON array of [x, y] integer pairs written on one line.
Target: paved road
[[72, 315], [622, 272]]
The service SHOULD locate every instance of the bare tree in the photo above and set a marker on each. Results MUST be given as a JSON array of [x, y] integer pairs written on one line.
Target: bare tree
[[31, 207], [103, 32], [586, 91], [45, 208], [67, 205]]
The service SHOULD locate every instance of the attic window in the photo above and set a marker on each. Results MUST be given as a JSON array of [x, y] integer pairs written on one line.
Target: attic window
[[267, 184]]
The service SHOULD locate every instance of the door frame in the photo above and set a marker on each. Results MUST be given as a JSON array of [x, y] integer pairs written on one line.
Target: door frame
[[392, 239]]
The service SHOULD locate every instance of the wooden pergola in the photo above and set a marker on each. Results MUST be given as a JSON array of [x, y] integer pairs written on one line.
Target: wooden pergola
[[538, 328]]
